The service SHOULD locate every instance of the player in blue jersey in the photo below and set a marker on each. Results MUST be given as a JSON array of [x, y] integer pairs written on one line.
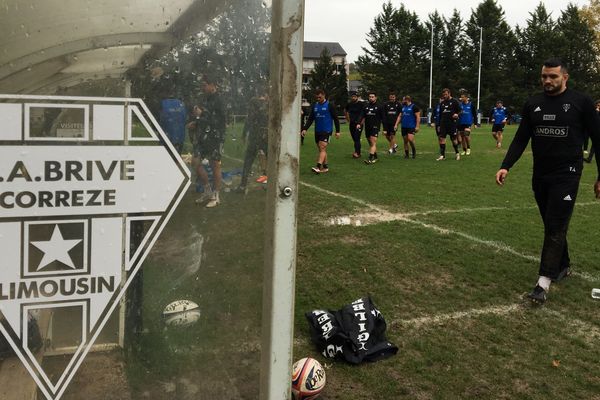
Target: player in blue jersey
[[324, 115], [410, 123], [465, 122], [391, 111], [498, 118]]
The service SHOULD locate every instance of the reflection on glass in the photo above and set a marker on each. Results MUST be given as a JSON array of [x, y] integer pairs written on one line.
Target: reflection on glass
[[208, 93]]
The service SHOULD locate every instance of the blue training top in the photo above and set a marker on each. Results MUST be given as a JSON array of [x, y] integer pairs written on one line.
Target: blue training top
[[323, 118], [498, 115], [466, 116], [409, 119]]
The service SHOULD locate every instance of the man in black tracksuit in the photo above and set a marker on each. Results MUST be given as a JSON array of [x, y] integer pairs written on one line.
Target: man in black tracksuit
[[449, 112], [353, 111], [556, 122], [371, 119]]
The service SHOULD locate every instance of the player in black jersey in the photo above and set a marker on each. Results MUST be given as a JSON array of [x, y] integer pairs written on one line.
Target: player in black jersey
[[391, 111], [590, 154], [353, 113], [555, 122], [207, 130], [371, 119], [449, 111]]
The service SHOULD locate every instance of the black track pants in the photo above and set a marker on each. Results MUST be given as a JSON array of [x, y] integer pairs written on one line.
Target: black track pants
[[355, 136], [555, 196]]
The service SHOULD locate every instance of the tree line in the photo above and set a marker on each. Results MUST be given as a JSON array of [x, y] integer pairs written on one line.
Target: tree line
[[398, 54]]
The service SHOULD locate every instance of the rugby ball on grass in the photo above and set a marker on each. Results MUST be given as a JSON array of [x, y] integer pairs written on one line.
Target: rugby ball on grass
[[181, 313], [308, 379]]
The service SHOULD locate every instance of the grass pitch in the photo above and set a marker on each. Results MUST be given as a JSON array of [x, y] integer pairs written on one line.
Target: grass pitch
[[447, 256]]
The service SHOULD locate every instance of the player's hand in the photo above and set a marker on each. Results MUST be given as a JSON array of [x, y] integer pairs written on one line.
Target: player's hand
[[597, 189], [501, 176], [357, 126], [454, 116], [302, 133], [337, 135]]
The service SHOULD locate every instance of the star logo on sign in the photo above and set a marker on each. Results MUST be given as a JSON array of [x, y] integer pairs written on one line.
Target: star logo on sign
[[56, 249]]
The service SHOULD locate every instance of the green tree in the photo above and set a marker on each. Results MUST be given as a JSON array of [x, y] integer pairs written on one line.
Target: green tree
[[576, 47], [436, 22], [591, 14], [498, 58], [398, 53], [536, 43], [330, 77], [450, 51]]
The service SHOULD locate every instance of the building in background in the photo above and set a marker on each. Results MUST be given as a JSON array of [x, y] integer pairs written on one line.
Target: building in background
[[312, 53]]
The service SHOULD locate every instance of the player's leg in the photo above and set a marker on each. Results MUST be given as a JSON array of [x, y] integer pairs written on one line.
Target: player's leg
[[442, 144], [355, 133], [372, 138], [411, 141]]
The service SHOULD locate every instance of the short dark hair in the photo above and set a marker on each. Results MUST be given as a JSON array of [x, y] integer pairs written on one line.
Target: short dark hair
[[597, 102], [391, 91], [319, 91], [371, 92], [446, 90], [556, 62]]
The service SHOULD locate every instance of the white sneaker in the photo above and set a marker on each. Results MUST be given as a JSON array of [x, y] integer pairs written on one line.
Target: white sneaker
[[440, 158], [468, 152], [204, 197], [391, 151], [457, 157], [462, 153], [214, 201]]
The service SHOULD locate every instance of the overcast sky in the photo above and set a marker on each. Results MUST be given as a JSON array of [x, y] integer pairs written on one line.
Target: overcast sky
[[349, 21]]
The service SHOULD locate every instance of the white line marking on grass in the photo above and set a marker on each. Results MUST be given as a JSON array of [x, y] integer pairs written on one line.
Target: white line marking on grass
[[400, 217], [386, 216], [441, 318]]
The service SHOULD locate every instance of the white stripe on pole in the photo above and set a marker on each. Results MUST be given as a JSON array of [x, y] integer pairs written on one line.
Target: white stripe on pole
[[479, 77]]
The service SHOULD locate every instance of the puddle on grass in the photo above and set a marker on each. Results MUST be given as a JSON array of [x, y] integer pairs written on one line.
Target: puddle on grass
[[364, 219]]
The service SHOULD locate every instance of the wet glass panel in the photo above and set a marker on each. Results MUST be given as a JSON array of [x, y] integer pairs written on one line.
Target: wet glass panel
[[133, 193]]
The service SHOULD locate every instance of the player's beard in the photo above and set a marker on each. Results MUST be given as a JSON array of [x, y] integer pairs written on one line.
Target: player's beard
[[552, 89]]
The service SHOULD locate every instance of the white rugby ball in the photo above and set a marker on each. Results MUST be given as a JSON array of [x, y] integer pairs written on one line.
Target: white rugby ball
[[308, 379], [183, 318], [179, 306]]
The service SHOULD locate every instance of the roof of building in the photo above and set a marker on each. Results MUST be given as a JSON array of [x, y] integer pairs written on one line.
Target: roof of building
[[314, 49]]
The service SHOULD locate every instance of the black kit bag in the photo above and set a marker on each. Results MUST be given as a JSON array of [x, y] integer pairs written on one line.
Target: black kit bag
[[356, 333]]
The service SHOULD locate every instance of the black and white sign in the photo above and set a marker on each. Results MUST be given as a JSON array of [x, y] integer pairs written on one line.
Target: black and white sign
[[75, 175]]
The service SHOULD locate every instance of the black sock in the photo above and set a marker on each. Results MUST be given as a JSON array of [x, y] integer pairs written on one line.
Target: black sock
[[326, 165], [455, 147], [319, 165], [443, 150], [412, 147]]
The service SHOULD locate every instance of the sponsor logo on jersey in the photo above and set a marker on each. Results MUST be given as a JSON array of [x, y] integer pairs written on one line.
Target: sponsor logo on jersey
[[537, 109], [566, 107], [552, 131], [568, 198], [550, 117]]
